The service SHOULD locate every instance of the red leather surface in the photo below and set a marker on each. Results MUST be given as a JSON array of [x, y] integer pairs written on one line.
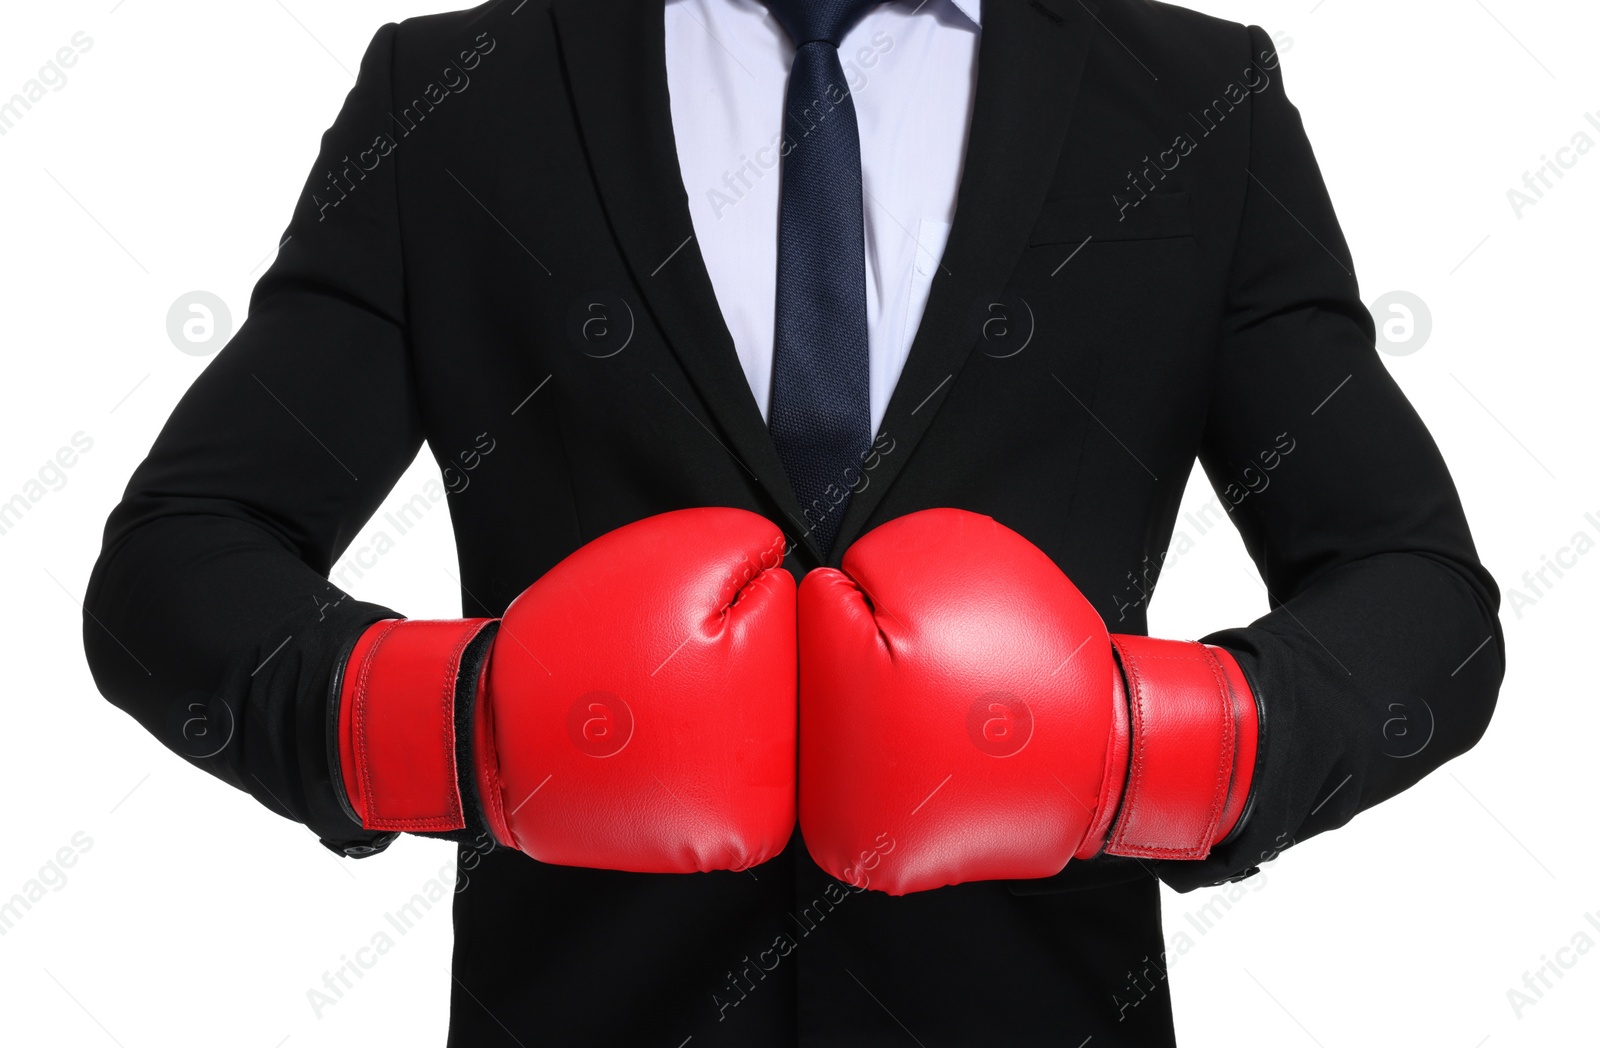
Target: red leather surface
[[643, 699], [1117, 756], [349, 680], [957, 708], [1184, 743], [397, 724], [486, 763], [1245, 719]]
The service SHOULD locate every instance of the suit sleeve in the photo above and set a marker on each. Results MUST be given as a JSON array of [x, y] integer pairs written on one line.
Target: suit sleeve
[[209, 617], [1382, 655]]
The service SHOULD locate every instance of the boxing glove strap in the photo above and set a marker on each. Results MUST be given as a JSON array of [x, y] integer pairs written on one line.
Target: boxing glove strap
[[401, 748], [1193, 726]]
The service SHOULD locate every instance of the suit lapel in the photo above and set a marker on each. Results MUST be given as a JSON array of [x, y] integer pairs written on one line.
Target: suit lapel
[[614, 52], [1030, 61]]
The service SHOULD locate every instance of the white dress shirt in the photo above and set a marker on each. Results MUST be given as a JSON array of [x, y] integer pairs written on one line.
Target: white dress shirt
[[911, 68]]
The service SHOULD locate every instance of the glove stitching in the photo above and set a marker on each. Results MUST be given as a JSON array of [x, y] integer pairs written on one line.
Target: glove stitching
[[1219, 796], [1136, 771], [495, 801], [453, 811], [447, 710], [1135, 684], [359, 719]]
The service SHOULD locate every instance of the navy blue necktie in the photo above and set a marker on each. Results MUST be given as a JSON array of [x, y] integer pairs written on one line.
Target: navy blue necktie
[[820, 416]]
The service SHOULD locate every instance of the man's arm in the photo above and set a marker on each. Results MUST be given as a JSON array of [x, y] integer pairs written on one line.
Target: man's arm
[[209, 617], [1383, 655]]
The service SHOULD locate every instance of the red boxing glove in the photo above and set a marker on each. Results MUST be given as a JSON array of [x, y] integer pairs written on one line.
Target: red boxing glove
[[964, 716], [634, 711]]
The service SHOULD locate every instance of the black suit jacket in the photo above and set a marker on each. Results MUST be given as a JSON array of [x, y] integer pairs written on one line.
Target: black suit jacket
[[494, 252]]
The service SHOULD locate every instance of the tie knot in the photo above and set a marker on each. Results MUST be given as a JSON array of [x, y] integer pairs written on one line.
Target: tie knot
[[808, 21]]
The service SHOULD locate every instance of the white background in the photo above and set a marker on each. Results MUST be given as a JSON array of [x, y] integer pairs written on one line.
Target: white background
[[168, 162]]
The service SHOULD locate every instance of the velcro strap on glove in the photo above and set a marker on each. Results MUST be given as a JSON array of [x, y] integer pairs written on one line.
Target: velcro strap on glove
[[398, 724], [1194, 725]]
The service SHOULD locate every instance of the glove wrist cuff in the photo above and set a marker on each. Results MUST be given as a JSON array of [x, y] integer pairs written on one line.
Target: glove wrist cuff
[[407, 724], [1246, 712], [1193, 725]]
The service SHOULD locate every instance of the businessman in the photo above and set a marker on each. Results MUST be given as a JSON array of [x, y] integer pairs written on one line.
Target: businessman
[[927, 307]]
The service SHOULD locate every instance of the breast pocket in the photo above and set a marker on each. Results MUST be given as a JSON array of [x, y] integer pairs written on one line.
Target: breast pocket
[[1115, 299], [1077, 220]]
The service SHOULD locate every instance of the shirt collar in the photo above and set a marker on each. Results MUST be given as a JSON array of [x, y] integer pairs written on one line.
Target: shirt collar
[[973, 9]]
